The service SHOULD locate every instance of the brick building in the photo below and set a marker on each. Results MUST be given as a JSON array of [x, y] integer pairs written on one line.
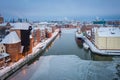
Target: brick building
[[23, 31], [13, 45]]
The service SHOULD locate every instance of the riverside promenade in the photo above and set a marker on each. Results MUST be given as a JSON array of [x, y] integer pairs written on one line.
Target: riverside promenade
[[96, 50], [101, 52]]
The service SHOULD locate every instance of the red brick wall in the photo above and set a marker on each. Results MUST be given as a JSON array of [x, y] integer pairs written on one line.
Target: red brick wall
[[49, 34], [38, 35], [14, 51], [31, 46]]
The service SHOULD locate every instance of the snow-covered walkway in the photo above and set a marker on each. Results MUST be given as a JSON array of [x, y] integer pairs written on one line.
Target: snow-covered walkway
[[96, 50], [102, 52]]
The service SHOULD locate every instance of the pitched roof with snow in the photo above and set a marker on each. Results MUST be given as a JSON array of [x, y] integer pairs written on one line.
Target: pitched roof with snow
[[3, 55], [11, 38], [21, 26]]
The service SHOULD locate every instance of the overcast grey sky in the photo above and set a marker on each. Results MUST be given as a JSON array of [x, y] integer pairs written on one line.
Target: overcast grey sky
[[58, 8]]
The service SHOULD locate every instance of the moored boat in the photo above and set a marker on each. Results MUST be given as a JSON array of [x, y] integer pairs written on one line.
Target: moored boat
[[79, 36]]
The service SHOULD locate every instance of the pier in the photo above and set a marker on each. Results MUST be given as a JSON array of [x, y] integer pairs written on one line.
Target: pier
[[95, 50], [101, 52]]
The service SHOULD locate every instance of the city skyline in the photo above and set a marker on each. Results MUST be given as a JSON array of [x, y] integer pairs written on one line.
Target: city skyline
[[59, 9]]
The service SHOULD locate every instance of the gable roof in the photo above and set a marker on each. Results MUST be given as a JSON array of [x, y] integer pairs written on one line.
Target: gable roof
[[11, 38]]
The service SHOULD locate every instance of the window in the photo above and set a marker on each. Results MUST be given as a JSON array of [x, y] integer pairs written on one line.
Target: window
[[1, 47]]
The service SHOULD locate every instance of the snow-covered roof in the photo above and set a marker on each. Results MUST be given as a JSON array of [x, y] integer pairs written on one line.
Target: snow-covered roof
[[43, 23], [21, 26], [3, 24], [11, 38], [109, 32], [3, 55], [41, 28]]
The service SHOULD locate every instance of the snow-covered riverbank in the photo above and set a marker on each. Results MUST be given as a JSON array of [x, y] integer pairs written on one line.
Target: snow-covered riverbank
[[36, 50]]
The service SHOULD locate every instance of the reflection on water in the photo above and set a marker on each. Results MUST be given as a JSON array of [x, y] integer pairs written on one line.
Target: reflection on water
[[64, 44], [24, 72], [79, 43], [100, 57], [67, 44]]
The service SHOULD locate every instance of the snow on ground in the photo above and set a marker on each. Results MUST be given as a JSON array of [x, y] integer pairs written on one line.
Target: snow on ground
[[71, 67]]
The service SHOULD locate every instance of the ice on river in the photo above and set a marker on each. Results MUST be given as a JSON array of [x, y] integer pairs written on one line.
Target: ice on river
[[71, 67]]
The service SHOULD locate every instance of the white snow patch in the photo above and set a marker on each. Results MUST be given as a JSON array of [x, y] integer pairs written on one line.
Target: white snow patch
[[21, 26], [109, 32]]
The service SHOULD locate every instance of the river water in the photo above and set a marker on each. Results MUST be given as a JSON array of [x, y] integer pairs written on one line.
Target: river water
[[64, 44]]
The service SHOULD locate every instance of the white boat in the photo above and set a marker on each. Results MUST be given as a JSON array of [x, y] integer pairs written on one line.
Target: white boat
[[85, 46], [79, 36]]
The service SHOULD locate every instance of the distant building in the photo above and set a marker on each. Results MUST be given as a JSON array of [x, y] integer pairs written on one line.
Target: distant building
[[4, 29], [87, 30], [107, 38], [5, 26], [48, 32], [113, 23], [1, 19], [101, 22], [36, 35]]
